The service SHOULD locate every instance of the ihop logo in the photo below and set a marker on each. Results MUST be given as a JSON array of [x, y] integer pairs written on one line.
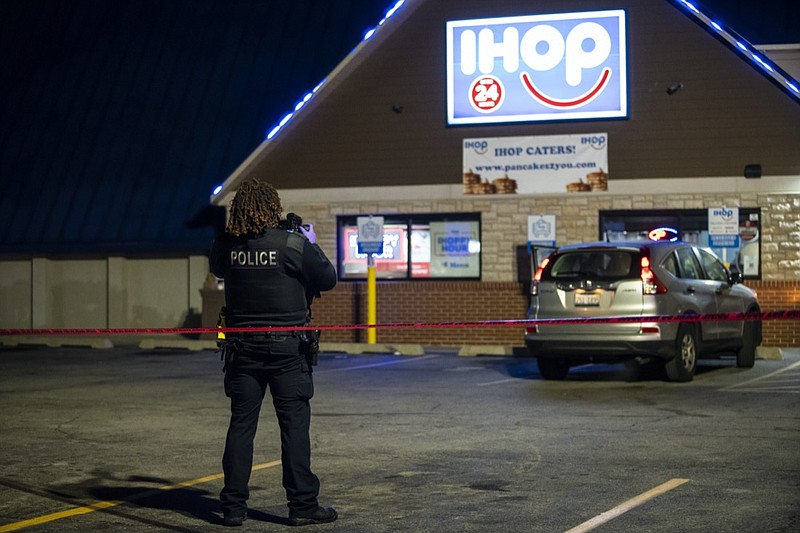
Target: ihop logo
[[540, 67], [722, 213]]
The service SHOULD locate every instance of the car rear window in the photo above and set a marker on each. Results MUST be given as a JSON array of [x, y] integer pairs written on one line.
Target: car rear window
[[595, 264]]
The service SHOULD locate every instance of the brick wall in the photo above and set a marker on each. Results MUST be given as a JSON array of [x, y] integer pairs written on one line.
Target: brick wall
[[778, 296], [501, 296], [438, 302], [427, 302]]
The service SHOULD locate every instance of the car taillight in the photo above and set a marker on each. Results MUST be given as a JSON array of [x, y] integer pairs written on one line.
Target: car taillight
[[650, 283], [533, 330], [537, 277]]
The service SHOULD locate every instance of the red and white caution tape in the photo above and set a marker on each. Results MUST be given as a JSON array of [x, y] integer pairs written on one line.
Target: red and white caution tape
[[792, 314]]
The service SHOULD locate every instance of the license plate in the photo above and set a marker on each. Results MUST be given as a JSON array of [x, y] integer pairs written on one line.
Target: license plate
[[587, 299]]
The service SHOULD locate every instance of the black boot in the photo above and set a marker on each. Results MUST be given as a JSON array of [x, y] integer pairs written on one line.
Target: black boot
[[320, 515], [234, 520]]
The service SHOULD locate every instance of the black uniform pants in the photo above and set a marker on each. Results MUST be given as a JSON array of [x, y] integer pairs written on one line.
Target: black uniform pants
[[277, 366]]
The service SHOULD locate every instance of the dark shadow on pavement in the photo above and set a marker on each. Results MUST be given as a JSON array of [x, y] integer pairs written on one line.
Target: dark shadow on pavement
[[632, 371], [188, 501]]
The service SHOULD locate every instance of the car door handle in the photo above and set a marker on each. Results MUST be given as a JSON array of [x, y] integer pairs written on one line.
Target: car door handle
[[718, 290], [690, 290]]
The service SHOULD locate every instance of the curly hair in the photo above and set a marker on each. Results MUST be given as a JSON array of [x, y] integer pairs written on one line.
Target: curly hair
[[255, 208]]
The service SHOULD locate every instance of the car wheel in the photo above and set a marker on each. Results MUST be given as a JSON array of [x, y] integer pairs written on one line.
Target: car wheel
[[684, 364], [746, 356], [556, 369]]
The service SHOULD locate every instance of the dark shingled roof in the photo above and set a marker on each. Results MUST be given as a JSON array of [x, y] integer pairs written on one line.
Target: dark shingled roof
[[118, 118]]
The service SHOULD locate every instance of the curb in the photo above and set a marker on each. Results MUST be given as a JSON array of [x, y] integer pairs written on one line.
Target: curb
[[770, 353], [363, 348], [99, 343]]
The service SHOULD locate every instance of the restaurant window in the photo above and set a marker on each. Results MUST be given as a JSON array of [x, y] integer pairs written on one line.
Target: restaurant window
[[415, 247], [691, 226]]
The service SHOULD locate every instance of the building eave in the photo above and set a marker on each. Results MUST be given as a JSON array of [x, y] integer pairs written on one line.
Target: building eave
[[398, 13]]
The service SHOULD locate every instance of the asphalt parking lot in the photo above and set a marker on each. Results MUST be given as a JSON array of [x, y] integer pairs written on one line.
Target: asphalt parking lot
[[130, 440]]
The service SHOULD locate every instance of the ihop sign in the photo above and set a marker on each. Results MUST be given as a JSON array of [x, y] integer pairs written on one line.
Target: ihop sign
[[539, 67]]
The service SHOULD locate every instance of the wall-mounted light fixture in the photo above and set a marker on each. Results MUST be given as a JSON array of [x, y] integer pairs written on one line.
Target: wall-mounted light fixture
[[752, 171], [675, 87]]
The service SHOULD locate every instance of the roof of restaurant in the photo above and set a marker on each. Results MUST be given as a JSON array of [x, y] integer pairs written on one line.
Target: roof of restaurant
[[118, 119]]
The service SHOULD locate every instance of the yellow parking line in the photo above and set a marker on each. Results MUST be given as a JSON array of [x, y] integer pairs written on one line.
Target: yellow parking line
[[628, 505], [113, 503]]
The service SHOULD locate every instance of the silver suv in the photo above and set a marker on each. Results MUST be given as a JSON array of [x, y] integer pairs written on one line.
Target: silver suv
[[634, 279]]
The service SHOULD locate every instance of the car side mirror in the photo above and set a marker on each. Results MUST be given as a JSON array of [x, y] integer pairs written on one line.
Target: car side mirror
[[735, 277]]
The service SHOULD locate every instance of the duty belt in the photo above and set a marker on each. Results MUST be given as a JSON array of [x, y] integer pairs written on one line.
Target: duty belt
[[266, 335]]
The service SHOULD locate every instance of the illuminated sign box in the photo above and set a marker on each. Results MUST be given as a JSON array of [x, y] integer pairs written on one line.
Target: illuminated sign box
[[540, 67], [392, 258]]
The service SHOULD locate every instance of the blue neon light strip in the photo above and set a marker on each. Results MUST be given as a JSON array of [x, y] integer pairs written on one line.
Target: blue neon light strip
[[303, 101], [310, 95], [789, 84], [289, 116]]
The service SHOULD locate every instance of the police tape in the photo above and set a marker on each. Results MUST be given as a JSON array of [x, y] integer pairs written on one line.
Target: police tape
[[763, 316]]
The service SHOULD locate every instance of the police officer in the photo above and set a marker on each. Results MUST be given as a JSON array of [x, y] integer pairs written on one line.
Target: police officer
[[271, 275]]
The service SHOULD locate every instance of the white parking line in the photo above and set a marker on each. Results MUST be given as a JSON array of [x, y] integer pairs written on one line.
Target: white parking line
[[509, 380], [373, 365], [747, 386], [778, 390], [628, 505]]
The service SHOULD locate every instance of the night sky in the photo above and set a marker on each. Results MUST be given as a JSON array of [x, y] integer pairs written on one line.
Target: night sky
[[759, 22]]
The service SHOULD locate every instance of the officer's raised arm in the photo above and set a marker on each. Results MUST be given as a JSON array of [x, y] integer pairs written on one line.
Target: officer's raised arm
[[317, 268]]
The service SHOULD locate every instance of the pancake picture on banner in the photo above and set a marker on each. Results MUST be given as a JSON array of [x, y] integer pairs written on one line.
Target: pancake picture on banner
[[473, 184], [595, 181]]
